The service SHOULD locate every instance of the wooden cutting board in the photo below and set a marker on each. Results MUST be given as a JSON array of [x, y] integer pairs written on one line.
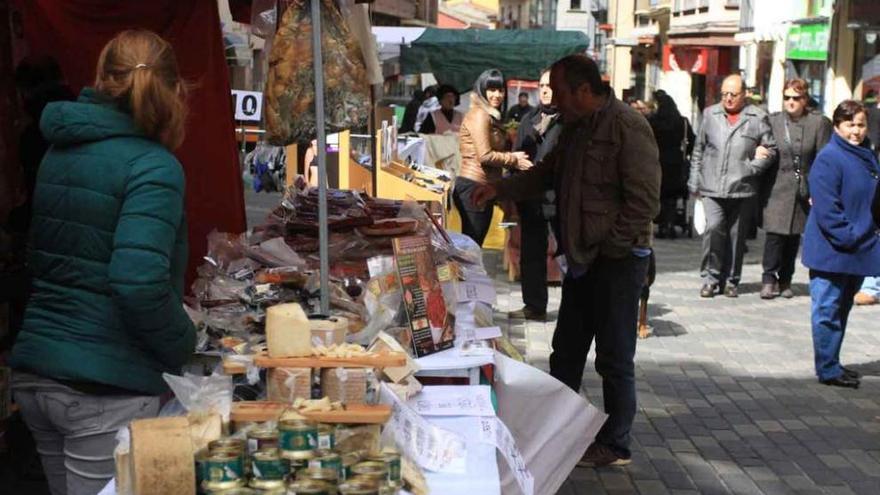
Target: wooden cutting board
[[270, 411]]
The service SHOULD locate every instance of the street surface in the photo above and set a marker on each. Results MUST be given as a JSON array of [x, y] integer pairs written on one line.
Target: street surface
[[728, 403]]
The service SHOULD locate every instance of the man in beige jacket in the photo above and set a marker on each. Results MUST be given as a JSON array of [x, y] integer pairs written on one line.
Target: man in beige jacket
[[606, 174]]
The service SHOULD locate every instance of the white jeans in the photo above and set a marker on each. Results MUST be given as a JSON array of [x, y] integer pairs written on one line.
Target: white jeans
[[75, 432]]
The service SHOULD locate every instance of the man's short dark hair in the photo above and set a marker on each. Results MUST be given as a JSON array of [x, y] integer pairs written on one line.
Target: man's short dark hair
[[580, 69], [523, 94], [847, 111]]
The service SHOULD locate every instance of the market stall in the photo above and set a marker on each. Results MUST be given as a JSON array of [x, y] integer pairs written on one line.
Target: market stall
[[347, 343]]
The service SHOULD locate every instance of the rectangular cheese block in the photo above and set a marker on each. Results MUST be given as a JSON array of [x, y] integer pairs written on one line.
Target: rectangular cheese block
[[288, 384], [288, 333], [346, 385], [162, 457], [386, 343]]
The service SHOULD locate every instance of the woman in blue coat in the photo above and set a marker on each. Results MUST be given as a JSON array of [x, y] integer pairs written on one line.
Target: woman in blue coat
[[841, 242]]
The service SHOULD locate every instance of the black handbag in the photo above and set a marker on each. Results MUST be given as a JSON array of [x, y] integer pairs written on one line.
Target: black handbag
[[803, 186]]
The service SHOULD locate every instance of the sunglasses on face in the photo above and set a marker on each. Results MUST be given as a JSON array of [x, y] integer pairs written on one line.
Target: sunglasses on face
[[728, 94], [790, 97]]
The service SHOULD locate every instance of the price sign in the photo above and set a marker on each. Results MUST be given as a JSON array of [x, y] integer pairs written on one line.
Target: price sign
[[248, 105]]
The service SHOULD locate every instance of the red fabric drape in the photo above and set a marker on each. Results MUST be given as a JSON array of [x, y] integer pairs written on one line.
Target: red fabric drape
[[75, 31], [9, 169]]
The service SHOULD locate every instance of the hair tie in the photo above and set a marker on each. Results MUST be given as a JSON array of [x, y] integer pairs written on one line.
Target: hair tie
[[141, 66]]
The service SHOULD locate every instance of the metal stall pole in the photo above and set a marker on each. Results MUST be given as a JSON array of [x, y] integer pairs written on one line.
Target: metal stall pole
[[323, 237]]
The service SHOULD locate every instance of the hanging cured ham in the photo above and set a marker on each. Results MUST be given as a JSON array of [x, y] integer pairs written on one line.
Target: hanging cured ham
[[290, 86]]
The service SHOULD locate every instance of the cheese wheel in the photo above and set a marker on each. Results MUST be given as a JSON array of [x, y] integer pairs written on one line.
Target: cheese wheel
[[287, 331], [329, 331]]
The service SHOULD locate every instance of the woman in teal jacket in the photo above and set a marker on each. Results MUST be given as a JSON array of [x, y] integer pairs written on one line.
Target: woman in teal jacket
[[107, 258]]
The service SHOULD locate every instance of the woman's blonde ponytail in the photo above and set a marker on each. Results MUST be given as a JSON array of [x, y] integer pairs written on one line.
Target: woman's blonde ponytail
[[138, 70]]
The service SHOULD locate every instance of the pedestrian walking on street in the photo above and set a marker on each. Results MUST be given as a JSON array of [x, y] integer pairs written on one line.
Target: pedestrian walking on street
[[109, 244], [537, 135], [799, 133], [841, 243], [606, 175], [411, 111], [734, 147], [675, 140], [484, 153]]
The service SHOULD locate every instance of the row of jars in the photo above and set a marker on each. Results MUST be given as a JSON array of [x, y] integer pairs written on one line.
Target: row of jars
[[297, 458]]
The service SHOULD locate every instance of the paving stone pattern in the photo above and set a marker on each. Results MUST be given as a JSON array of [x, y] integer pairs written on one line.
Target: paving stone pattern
[[728, 402]]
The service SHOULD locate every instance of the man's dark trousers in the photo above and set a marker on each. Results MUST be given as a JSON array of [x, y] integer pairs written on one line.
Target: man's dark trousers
[[724, 241], [603, 304], [533, 254]]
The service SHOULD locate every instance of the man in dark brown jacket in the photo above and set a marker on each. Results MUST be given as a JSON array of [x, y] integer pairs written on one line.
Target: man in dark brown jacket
[[606, 174]]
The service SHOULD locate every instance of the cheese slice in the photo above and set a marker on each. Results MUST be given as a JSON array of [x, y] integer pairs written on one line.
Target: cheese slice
[[288, 333]]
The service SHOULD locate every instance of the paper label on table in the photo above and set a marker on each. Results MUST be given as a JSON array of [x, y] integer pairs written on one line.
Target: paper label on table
[[495, 432], [481, 333], [453, 400], [430, 447], [480, 289]]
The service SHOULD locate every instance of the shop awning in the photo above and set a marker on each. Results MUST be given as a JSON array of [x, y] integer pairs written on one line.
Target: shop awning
[[458, 56]]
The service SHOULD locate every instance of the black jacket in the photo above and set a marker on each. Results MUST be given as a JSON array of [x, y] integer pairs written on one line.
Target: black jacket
[[675, 141]]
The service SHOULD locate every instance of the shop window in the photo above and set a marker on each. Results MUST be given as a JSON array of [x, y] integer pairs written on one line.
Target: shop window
[[575, 5]]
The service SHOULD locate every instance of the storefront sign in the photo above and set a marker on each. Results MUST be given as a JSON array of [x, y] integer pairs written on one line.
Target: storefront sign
[[689, 59], [248, 105], [808, 42]]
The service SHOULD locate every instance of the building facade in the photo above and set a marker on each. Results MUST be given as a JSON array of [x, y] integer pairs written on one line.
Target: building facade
[[782, 40], [853, 53]]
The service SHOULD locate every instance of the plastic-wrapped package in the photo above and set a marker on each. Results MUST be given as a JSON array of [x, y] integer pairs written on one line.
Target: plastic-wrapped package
[[288, 384], [202, 394], [466, 249], [224, 249], [275, 253], [346, 385], [264, 17]]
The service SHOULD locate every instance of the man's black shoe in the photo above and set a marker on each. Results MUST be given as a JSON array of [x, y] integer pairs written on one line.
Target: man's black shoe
[[769, 291], [851, 373], [708, 290], [527, 313], [842, 381]]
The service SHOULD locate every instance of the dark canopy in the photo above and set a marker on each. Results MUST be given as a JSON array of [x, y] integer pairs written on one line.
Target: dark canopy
[[458, 56]]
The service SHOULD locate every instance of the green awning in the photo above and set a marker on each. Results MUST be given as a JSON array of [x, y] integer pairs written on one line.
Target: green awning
[[807, 42], [458, 56]]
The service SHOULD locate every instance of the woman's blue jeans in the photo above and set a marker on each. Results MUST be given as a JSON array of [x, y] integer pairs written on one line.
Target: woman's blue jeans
[[832, 299]]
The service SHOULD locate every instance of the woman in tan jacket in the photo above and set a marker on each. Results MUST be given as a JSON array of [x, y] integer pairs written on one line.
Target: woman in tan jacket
[[484, 154]]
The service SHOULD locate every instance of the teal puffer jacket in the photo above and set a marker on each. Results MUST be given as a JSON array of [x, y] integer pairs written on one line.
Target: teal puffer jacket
[[107, 254]]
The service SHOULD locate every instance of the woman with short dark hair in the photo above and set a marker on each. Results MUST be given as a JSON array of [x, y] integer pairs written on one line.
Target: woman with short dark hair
[[841, 242]]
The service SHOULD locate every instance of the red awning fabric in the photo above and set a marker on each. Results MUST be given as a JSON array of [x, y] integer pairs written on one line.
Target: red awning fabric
[[75, 31]]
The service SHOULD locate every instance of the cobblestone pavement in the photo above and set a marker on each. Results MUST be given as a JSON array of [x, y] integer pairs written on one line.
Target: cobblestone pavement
[[728, 402]]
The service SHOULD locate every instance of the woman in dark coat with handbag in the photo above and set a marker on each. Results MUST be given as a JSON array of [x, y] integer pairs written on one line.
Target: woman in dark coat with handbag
[[841, 241], [800, 133], [675, 141]]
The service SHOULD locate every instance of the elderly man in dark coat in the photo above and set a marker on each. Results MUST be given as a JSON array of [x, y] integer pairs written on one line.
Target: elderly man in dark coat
[[800, 133]]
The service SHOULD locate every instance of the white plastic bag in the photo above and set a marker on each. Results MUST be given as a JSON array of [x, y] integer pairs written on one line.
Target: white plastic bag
[[699, 217]]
